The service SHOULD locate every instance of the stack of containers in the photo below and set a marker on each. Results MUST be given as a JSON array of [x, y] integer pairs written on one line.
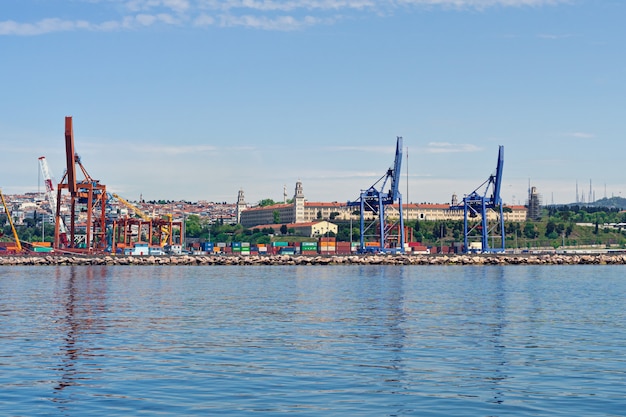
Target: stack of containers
[[327, 245], [42, 247], [262, 248], [236, 247], [308, 248], [245, 248], [344, 248], [417, 247]]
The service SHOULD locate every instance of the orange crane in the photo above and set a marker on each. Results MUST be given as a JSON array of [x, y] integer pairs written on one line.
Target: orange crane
[[165, 227], [18, 244], [86, 196]]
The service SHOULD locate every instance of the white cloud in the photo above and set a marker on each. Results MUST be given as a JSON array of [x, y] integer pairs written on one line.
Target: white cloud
[[283, 23], [255, 14], [580, 135], [43, 26], [369, 149], [446, 147]]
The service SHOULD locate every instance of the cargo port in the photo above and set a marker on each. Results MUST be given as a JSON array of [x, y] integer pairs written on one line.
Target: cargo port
[[89, 219]]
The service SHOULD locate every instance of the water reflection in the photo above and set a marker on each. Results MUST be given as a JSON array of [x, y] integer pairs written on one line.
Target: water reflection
[[311, 341], [81, 294], [498, 325]]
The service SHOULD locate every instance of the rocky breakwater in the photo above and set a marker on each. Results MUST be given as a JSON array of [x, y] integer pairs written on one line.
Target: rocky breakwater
[[494, 259]]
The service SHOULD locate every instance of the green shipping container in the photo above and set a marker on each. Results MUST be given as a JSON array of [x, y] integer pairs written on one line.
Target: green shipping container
[[40, 249]]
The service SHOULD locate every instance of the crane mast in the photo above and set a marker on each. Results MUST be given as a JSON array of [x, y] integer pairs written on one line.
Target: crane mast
[[480, 203], [51, 196], [376, 200], [18, 244]]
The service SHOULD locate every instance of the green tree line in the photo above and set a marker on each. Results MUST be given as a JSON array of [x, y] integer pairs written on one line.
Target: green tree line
[[556, 228]]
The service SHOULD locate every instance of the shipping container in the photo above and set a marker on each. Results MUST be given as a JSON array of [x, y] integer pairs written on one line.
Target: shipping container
[[42, 244], [280, 244], [41, 249]]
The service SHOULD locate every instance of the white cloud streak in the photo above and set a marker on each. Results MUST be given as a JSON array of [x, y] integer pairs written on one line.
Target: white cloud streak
[[446, 147], [581, 135], [271, 15]]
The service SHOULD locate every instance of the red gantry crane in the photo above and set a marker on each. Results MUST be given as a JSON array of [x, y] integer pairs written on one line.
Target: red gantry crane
[[87, 204]]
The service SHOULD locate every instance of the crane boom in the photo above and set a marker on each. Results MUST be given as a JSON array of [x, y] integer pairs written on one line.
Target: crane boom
[[135, 209], [18, 244], [395, 179], [51, 195]]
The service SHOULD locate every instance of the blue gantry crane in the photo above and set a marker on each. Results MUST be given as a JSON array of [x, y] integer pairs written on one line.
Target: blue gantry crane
[[481, 202], [377, 226]]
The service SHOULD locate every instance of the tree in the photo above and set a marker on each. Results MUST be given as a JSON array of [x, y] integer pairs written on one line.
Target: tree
[[193, 226], [551, 229], [530, 231], [283, 229], [266, 202], [276, 215]]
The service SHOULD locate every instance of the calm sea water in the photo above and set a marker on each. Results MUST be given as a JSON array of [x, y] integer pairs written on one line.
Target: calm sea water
[[313, 341]]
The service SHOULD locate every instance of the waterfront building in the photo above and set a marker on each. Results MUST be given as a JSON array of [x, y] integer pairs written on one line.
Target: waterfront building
[[308, 229], [302, 211]]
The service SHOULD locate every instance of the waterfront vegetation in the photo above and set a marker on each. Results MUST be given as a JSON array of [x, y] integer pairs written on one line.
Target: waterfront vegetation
[[559, 226]]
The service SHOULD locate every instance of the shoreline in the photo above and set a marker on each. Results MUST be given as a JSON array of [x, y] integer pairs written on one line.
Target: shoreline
[[277, 260]]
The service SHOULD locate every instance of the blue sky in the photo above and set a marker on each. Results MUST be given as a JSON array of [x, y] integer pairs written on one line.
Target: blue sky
[[196, 99]]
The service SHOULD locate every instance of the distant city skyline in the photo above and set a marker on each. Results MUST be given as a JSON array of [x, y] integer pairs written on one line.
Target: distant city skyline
[[195, 99]]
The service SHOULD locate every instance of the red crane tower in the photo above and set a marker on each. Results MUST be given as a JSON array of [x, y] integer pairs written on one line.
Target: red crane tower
[[87, 201]]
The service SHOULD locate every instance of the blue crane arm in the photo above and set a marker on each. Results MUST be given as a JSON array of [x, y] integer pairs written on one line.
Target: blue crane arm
[[395, 175], [497, 184]]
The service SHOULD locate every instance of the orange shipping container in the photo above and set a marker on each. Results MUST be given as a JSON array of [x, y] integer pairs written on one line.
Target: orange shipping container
[[42, 244]]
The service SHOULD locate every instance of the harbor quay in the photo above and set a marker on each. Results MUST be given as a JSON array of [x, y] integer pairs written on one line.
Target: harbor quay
[[367, 259]]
